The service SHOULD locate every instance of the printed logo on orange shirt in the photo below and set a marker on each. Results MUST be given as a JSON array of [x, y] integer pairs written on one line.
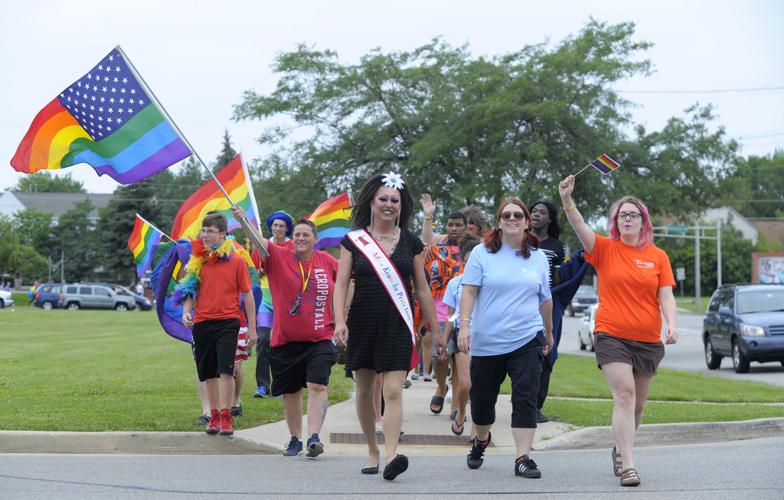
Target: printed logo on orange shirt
[[643, 264]]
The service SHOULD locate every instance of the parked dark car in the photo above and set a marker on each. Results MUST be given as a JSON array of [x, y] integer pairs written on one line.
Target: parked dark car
[[745, 322], [142, 302], [89, 296], [582, 300], [48, 296]]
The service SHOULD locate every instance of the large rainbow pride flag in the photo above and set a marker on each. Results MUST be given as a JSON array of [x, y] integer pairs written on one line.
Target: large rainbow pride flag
[[333, 220], [209, 197], [106, 119], [143, 241]]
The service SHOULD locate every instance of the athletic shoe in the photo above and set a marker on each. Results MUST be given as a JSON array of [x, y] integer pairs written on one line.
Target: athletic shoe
[[541, 417], [226, 423], [261, 392], [215, 421], [315, 446], [236, 411], [525, 467], [406, 384], [415, 376], [293, 447], [475, 456], [203, 420]]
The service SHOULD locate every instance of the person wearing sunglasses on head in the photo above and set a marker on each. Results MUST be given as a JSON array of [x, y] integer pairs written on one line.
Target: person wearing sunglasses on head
[[302, 353], [635, 290], [506, 325]]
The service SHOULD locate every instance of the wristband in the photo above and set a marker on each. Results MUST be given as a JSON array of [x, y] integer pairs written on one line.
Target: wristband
[[427, 217], [465, 320], [570, 207]]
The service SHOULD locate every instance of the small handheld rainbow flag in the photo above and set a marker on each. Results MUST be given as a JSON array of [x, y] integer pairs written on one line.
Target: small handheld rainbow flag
[[143, 241], [332, 219], [234, 179], [603, 164]]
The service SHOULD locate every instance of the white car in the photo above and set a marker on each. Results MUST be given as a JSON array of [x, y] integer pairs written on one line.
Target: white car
[[585, 328], [6, 299]]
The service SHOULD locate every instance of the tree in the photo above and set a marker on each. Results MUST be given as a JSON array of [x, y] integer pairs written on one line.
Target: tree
[[17, 258], [227, 152], [758, 186], [45, 182], [35, 229], [75, 234], [472, 130]]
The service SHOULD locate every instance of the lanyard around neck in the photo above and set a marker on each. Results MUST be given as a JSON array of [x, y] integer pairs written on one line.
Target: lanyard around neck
[[302, 273]]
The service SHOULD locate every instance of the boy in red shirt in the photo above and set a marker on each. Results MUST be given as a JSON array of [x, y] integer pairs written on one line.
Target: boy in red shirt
[[216, 276]]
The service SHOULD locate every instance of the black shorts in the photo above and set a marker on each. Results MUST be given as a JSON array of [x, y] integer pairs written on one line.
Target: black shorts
[[524, 367], [643, 356], [214, 346], [295, 364]]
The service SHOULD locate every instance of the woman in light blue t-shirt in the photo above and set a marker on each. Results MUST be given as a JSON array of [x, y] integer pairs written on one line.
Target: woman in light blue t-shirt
[[506, 324]]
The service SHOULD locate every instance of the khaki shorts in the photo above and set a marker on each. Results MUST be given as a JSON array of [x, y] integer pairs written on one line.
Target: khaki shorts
[[643, 356]]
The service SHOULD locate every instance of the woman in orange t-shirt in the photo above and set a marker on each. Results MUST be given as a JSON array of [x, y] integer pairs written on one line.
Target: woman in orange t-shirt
[[635, 290]]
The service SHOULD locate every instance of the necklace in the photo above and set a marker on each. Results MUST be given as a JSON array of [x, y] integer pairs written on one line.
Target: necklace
[[388, 237]]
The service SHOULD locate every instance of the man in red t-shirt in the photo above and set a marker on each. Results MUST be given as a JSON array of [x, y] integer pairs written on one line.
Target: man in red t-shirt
[[222, 277], [302, 353]]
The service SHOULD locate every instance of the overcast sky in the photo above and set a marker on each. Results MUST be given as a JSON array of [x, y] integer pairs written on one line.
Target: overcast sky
[[199, 56]]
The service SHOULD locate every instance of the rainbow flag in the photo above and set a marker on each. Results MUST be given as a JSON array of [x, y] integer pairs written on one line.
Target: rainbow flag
[[333, 220], [209, 197], [605, 164], [143, 241], [106, 119]]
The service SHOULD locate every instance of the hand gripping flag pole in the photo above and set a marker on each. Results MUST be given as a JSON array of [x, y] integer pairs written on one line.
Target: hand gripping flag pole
[[243, 219]]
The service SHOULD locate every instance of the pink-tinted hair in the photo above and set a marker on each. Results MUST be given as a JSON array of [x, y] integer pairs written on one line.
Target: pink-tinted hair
[[646, 233]]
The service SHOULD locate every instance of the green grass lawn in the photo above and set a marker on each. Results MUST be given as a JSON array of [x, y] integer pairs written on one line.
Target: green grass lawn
[[675, 396], [690, 304], [109, 371]]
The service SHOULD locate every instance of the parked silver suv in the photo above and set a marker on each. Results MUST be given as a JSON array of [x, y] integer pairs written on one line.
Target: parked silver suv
[[80, 295]]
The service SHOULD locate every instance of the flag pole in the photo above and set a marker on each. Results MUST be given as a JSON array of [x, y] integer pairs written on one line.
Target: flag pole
[[243, 220], [154, 227], [581, 170]]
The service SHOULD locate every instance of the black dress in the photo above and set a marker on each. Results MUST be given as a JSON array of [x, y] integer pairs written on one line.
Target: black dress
[[378, 338]]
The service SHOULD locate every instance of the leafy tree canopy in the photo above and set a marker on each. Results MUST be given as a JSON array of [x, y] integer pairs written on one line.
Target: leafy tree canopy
[[45, 182]]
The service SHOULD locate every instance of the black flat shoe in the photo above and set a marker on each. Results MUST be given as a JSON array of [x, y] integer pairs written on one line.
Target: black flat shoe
[[397, 466], [370, 470]]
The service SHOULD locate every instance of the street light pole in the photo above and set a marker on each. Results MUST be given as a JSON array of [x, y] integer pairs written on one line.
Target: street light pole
[[697, 277], [718, 252]]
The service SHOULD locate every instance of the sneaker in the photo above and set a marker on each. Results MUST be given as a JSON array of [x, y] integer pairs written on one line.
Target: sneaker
[[315, 446], [293, 447], [475, 456], [213, 427], [202, 420], [427, 378], [226, 423], [525, 467], [236, 411], [541, 417], [406, 384], [261, 392], [415, 376]]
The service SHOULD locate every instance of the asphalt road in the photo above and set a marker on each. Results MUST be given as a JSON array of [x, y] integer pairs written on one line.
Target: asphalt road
[[687, 354], [705, 471]]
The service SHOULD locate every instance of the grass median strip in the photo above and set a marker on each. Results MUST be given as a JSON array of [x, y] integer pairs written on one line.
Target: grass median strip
[[110, 371]]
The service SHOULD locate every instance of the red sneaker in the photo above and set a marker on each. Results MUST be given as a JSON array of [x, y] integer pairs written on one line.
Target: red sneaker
[[226, 422], [215, 422]]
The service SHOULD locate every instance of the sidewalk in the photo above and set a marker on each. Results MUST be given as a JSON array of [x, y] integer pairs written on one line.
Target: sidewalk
[[419, 425]]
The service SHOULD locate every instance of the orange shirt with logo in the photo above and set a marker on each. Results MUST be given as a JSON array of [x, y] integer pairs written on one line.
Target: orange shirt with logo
[[629, 282]]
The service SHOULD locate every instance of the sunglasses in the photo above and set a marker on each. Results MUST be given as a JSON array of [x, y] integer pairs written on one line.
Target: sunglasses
[[511, 215]]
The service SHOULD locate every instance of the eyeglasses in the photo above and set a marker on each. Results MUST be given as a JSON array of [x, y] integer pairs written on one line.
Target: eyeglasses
[[211, 231], [629, 215], [515, 215], [385, 199]]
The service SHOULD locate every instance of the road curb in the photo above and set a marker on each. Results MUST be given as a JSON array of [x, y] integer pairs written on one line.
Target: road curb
[[660, 434], [192, 443]]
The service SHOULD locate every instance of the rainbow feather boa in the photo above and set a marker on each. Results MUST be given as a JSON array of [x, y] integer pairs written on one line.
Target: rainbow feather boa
[[189, 284]]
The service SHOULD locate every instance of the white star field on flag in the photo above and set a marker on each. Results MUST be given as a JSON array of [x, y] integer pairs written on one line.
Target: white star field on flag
[[106, 98]]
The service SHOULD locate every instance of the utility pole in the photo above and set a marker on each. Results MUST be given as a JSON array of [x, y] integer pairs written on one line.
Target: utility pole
[[697, 277], [62, 266]]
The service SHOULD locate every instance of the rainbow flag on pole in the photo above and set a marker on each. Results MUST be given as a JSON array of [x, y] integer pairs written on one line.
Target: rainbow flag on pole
[[605, 164], [333, 220], [143, 241], [107, 119], [235, 180]]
